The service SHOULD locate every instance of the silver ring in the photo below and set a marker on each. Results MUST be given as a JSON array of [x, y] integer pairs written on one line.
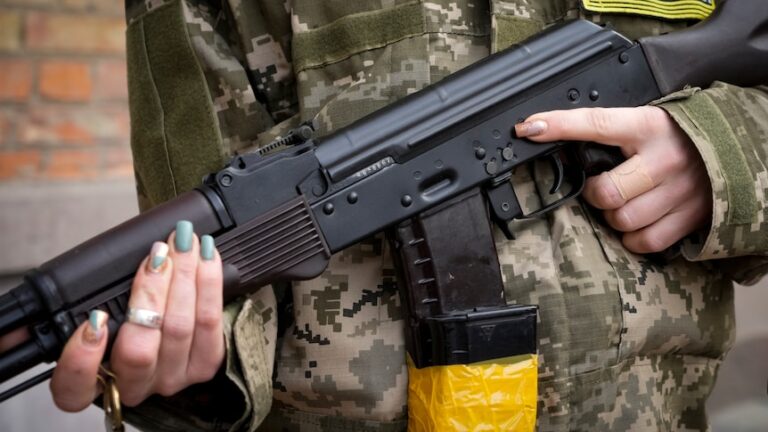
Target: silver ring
[[144, 318]]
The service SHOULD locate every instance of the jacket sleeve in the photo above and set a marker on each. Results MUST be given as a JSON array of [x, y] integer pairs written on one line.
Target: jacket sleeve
[[205, 82], [208, 80], [729, 126]]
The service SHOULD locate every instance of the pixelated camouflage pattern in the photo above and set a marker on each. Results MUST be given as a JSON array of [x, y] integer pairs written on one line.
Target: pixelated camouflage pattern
[[627, 342], [343, 353]]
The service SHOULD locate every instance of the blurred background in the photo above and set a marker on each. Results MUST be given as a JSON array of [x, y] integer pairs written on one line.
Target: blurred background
[[65, 175], [65, 162]]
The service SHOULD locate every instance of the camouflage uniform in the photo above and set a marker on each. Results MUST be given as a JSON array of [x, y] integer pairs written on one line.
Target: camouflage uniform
[[627, 342]]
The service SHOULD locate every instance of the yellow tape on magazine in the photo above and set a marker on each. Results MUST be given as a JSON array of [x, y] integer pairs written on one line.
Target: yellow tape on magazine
[[494, 396]]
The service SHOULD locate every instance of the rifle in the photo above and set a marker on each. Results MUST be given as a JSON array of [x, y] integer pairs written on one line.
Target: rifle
[[280, 217]]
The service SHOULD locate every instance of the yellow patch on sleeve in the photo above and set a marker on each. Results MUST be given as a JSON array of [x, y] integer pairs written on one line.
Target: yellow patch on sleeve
[[666, 9]]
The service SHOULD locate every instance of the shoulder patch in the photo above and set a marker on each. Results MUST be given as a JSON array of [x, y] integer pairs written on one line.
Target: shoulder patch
[[666, 9]]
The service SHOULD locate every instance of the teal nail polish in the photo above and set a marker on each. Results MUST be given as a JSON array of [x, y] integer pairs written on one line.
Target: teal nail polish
[[158, 255], [206, 247], [183, 240], [97, 321], [96, 318]]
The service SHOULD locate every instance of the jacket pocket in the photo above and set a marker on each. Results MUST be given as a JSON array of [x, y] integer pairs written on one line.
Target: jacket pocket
[[669, 306]]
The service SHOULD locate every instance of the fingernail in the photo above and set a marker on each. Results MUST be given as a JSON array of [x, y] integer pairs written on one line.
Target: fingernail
[[94, 331], [158, 256], [206, 247], [529, 129], [183, 238]]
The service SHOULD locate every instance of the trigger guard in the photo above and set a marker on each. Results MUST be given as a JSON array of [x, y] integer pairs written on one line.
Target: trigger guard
[[557, 168], [578, 179]]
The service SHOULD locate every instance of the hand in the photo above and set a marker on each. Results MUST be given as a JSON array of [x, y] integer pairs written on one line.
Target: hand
[[183, 282], [660, 194]]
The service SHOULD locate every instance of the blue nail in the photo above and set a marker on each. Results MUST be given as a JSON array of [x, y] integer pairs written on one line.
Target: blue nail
[[158, 255], [183, 240], [96, 319], [95, 330], [206, 247]]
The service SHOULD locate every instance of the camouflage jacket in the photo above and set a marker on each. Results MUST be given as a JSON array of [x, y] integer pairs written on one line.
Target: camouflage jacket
[[627, 342]]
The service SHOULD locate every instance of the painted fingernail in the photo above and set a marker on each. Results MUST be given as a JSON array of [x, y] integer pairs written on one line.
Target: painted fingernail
[[183, 238], [158, 256], [206, 247], [529, 129], [95, 330]]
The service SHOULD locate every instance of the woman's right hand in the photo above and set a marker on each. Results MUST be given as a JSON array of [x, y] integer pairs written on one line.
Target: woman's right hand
[[182, 281]]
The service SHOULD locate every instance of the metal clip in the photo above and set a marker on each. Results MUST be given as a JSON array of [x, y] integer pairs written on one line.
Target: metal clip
[[113, 414]]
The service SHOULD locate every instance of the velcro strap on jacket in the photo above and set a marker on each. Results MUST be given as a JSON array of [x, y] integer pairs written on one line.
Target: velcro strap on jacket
[[354, 33], [712, 116]]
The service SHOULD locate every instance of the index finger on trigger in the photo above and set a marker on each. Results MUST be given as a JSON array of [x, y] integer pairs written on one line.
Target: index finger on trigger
[[622, 127]]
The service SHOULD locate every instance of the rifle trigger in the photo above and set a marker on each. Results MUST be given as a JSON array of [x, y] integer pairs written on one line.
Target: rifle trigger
[[557, 170]]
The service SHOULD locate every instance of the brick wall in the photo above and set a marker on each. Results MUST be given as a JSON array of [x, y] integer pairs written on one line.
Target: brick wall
[[63, 95], [65, 165], [65, 162]]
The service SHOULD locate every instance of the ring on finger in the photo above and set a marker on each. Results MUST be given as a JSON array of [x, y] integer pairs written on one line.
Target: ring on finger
[[144, 318]]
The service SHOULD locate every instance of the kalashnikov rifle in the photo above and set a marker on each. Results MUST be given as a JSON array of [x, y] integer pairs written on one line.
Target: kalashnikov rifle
[[280, 217]]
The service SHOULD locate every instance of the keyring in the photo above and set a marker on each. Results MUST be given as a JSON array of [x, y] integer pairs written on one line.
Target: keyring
[[113, 413]]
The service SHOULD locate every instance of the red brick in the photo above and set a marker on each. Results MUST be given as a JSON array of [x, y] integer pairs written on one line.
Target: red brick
[[71, 164], [76, 4], [74, 33], [5, 128], [28, 3], [118, 162], [10, 30], [15, 80], [107, 7], [72, 132], [73, 125], [19, 164], [111, 80], [66, 81], [113, 7]]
